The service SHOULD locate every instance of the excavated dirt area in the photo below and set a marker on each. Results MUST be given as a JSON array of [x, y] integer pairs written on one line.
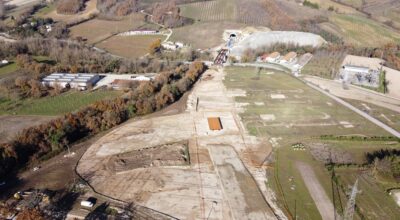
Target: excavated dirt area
[[158, 156], [176, 165]]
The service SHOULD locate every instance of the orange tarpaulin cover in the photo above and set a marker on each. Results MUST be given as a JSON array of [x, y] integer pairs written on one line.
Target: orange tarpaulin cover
[[214, 123]]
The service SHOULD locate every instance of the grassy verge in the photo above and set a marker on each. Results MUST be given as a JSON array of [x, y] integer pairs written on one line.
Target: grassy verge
[[56, 105], [9, 68]]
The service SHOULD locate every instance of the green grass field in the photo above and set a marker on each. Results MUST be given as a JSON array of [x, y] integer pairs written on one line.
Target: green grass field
[[302, 116], [387, 116], [56, 105], [372, 201], [303, 112], [9, 68]]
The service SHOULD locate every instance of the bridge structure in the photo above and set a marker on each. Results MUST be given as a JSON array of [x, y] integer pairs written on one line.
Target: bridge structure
[[221, 57]]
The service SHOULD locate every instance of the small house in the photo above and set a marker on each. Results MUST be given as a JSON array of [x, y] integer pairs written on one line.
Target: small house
[[289, 57], [272, 57]]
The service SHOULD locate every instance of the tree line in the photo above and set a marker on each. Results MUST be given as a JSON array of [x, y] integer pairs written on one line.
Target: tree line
[[38, 142], [385, 163], [72, 56], [70, 6]]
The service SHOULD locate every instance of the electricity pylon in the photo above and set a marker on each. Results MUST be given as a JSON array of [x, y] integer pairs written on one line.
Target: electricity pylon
[[349, 212]]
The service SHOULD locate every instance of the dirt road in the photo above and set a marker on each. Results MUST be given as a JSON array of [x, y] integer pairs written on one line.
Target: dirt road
[[321, 200], [244, 198]]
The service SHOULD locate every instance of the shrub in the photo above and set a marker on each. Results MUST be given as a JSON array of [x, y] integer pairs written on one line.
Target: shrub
[[310, 4]]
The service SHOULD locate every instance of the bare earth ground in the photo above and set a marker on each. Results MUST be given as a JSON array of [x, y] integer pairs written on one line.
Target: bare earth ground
[[20, 2], [317, 192], [12, 125], [222, 180], [357, 93]]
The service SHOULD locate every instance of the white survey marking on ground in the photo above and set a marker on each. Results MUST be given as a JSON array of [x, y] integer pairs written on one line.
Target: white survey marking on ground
[[278, 96]]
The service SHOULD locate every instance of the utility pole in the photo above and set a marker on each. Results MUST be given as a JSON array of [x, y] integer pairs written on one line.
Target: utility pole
[[349, 212]]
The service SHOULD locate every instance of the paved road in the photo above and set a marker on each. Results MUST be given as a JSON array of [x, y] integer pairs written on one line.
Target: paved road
[[358, 111], [264, 65]]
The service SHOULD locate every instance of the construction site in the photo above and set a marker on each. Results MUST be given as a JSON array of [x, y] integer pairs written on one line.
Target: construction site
[[201, 164]]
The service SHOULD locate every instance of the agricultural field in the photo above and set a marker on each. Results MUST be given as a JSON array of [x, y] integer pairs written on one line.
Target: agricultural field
[[96, 30], [361, 31], [387, 11], [216, 10], [282, 109], [353, 3], [203, 35], [340, 8], [55, 105], [129, 46]]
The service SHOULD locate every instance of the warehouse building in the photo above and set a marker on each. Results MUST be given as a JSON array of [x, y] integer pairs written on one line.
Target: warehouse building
[[80, 81], [360, 75]]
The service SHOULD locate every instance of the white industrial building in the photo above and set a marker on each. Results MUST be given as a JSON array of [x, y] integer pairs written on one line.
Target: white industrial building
[[360, 75], [172, 45], [3, 62], [139, 32], [79, 81]]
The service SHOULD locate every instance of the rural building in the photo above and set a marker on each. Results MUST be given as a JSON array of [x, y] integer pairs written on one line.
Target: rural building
[[172, 45], [272, 57], [140, 32], [214, 123], [3, 62], [289, 57], [79, 81], [359, 75], [169, 46], [122, 84]]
